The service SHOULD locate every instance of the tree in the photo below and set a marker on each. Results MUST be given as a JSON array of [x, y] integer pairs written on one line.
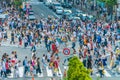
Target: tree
[[18, 2], [77, 71], [109, 2]]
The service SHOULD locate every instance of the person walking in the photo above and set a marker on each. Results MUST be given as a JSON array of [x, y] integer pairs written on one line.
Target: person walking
[[3, 70], [25, 64], [25, 41], [8, 71], [44, 61], [12, 38], [101, 69], [38, 69]]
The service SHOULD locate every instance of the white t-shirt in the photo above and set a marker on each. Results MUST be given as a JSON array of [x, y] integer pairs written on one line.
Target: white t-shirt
[[57, 44], [0, 34]]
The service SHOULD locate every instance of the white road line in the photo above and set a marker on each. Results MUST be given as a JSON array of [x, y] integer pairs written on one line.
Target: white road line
[[35, 3], [108, 55], [49, 72], [97, 74], [107, 74], [59, 73], [56, 15], [66, 67], [42, 14], [21, 71]]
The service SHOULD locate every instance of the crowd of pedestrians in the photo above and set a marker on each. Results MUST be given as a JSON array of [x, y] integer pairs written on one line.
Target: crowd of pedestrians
[[96, 43]]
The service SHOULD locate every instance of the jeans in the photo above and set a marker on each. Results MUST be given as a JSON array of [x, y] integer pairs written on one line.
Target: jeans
[[73, 45], [8, 71], [12, 40], [48, 47], [25, 70], [38, 70], [46, 44], [25, 44], [3, 72], [101, 73]]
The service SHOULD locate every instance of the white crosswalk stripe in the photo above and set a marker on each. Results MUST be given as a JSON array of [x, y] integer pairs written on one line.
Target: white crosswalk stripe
[[97, 74], [21, 71], [59, 73], [49, 72], [34, 2], [106, 73]]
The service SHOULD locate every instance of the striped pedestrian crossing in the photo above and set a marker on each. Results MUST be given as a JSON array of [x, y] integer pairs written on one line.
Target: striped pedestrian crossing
[[106, 73], [50, 72], [59, 73], [21, 71]]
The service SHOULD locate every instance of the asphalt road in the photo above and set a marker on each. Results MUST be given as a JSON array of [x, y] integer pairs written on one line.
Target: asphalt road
[[42, 11]]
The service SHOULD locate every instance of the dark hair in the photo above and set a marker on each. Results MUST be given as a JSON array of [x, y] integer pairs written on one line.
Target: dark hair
[[38, 58], [25, 57]]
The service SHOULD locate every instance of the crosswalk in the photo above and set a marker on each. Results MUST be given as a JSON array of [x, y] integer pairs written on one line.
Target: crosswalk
[[106, 74], [50, 73], [34, 2]]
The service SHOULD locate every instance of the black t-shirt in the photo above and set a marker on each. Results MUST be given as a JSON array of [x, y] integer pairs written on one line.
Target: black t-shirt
[[12, 34], [46, 38]]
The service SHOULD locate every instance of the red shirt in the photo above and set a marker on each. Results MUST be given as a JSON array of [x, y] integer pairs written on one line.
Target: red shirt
[[56, 64], [54, 47], [7, 65]]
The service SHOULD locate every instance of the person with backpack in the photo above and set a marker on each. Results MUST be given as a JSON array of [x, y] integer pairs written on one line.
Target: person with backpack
[[25, 64]]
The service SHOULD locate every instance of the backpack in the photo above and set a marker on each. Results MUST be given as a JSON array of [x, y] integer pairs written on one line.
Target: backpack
[[23, 62]]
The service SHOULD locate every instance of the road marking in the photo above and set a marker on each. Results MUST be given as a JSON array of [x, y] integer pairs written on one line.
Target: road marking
[[56, 15], [35, 3], [21, 71], [49, 72], [107, 74], [42, 14], [98, 75], [59, 73], [66, 67]]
